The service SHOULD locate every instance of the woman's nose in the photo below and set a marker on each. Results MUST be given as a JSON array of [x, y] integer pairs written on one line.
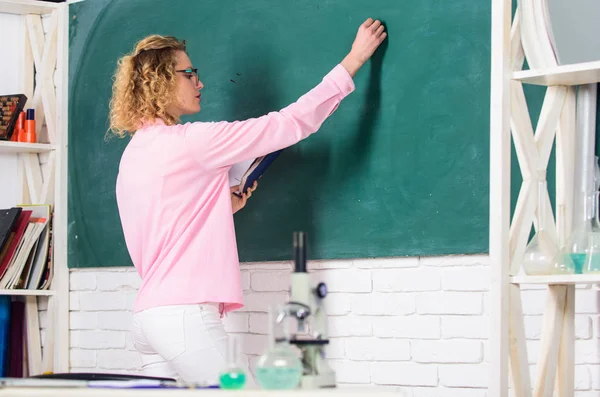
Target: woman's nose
[[199, 85]]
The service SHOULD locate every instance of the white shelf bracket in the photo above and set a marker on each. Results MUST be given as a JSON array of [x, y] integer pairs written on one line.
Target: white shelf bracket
[[43, 49]]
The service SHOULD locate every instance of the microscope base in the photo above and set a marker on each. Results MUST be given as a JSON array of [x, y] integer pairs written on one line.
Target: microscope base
[[326, 380]]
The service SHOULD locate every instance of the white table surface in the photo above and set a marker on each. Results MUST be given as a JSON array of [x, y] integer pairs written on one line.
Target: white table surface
[[83, 392]]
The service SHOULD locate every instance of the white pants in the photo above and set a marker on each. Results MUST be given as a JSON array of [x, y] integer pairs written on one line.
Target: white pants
[[186, 342]]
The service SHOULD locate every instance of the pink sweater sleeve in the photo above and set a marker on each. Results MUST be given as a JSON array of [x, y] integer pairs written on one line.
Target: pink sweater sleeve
[[226, 143]]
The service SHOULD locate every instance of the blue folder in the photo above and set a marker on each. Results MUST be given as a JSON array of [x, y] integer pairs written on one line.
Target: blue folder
[[257, 169]]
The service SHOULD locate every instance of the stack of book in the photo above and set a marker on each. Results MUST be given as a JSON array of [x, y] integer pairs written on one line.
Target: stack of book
[[25, 234], [25, 264]]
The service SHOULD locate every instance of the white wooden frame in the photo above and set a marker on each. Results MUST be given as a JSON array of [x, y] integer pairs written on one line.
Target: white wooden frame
[[46, 54], [509, 113]]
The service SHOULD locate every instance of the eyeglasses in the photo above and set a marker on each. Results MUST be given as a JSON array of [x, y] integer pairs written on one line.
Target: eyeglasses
[[191, 72]]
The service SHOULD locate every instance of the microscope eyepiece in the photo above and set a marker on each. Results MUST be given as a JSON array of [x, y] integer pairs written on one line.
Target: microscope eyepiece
[[299, 252]]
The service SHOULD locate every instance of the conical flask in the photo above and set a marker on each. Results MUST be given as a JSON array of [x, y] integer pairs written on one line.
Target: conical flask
[[563, 263]]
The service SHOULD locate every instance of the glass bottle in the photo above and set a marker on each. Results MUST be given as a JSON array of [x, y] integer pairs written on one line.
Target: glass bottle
[[578, 241], [541, 250], [233, 376], [279, 368]]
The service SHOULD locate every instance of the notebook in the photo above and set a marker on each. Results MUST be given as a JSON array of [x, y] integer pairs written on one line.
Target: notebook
[[246, 173], [8, 220]]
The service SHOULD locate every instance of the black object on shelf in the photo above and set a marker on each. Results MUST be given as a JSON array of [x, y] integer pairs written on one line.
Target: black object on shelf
[[99, 376]]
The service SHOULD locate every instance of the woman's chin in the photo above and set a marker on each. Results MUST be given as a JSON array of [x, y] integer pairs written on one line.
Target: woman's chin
[[192, 110]]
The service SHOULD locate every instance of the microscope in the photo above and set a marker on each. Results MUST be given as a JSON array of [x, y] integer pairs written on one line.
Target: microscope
[[306, 306]]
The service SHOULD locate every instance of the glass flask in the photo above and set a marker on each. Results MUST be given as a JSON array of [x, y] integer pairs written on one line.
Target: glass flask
[[592, 257], [541, 250], [279, 368], [562, 262], [578, 241], [233, 376]]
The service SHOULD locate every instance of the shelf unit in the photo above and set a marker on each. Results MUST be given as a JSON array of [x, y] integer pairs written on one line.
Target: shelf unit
[[509, 237], [566, 75], [42, 64], [24, 7], [17, 147], [571, 279], [26, 292]]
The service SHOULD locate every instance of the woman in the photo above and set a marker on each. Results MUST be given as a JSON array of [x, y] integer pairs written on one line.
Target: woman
[[175, 202]]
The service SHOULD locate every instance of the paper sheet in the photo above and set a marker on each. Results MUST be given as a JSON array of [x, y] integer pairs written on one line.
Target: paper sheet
[[237, 172]]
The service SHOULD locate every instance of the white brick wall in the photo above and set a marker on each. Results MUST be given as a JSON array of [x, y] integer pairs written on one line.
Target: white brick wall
[[416, 324], [101, 305]]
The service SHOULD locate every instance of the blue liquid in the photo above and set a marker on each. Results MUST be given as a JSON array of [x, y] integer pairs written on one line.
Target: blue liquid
[[232, 380], [578, 261], [278, 378]]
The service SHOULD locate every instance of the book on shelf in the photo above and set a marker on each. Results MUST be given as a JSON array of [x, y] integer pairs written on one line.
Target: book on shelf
[[25, 260], [17, 343]]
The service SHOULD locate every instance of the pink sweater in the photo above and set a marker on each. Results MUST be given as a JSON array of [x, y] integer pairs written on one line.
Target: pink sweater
[[174, 199]]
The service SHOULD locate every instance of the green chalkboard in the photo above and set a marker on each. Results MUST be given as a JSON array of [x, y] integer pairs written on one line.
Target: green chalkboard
[[400, 169]]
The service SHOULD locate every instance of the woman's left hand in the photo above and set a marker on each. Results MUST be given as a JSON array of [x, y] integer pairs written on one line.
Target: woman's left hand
[[237, 202]]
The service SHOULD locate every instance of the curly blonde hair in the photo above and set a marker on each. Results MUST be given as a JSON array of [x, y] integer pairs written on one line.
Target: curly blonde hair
[[145, 84]]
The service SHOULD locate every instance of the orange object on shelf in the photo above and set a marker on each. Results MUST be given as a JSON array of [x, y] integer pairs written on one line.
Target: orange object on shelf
[[19, 132]]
